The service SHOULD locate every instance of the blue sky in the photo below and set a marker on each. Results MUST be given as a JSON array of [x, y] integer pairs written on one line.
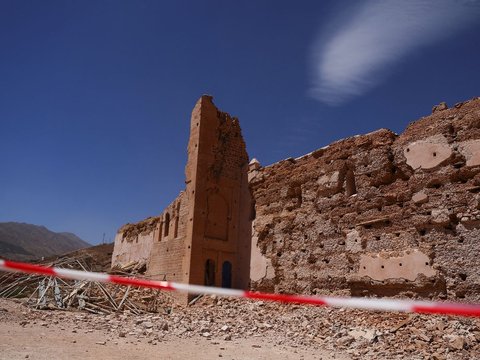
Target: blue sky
[[96, 96]]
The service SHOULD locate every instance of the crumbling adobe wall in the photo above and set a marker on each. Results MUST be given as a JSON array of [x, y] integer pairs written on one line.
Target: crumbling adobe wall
[[375, 214], [159, 242], [133, 242], [167, 256]]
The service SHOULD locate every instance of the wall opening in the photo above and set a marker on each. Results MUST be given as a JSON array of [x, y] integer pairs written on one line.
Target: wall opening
[[210, 272], [227, 274], [175, 229], [160, 230], [350, 187], [167, 224]]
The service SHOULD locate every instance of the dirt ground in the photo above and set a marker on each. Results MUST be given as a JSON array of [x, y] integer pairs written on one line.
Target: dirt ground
[[47, 334], [230, 328]]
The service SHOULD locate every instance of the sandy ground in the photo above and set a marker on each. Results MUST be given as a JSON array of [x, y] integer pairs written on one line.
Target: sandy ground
[[43, 339]]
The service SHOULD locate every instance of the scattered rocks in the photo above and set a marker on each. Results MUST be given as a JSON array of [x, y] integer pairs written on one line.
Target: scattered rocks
[[440, 107], [456, 342], [362, 334], [420, 198]]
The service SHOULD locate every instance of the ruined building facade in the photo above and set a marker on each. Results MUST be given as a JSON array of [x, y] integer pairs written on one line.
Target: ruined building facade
[[203, 236], [379, 213]]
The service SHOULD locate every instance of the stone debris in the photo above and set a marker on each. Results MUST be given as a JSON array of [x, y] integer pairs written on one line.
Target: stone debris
[[362, 334], [440, 107], [45, 292]]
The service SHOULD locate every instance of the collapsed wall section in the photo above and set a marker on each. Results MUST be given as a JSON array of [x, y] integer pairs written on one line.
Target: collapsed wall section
[[133, 242], [375, 214]]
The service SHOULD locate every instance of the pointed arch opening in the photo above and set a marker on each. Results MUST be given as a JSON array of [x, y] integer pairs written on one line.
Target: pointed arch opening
[[167, 224], [227, 274], [210, 272]]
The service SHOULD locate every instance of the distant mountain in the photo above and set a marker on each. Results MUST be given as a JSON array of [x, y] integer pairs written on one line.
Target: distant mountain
[[20, 241]]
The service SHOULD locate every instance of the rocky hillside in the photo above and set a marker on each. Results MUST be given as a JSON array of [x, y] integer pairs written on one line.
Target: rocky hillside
[[20, 241]]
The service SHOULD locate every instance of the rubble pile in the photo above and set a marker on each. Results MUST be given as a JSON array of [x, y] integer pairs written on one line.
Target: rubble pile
[[45, 292], [360, 334]]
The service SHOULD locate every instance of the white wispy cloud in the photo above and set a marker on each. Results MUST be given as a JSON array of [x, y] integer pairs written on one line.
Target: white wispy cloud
[[355, 51]]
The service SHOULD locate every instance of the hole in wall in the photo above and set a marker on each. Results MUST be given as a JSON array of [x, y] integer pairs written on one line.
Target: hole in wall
[[400, 264], [351, 187], [408, 150], [434, 154], [383, 267]]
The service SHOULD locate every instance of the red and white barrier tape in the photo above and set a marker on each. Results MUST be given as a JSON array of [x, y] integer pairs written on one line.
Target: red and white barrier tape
[[425, 307]]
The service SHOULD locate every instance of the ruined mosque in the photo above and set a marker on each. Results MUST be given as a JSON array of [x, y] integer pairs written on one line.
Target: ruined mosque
[[375, 214]]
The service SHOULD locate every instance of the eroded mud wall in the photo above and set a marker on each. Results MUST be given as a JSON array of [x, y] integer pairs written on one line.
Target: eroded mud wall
[[133, 242], [376, 213], [167, 257]]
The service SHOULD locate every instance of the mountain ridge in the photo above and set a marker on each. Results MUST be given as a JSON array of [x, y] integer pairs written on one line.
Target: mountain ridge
[[23, 241]]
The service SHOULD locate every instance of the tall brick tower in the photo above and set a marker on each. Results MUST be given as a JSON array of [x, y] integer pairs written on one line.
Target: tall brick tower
[[218, 234]]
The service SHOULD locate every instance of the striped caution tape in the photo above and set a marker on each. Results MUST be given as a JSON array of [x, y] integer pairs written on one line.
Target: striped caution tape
[[425, 307]]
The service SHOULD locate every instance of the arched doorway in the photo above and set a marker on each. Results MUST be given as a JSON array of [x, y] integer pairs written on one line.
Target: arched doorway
[[210, 273], [227, 274]]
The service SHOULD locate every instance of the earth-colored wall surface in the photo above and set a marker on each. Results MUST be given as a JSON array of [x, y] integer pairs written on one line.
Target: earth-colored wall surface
[[216, 177], [378, 213], [208, 226], [134, 242], [167, 257]]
